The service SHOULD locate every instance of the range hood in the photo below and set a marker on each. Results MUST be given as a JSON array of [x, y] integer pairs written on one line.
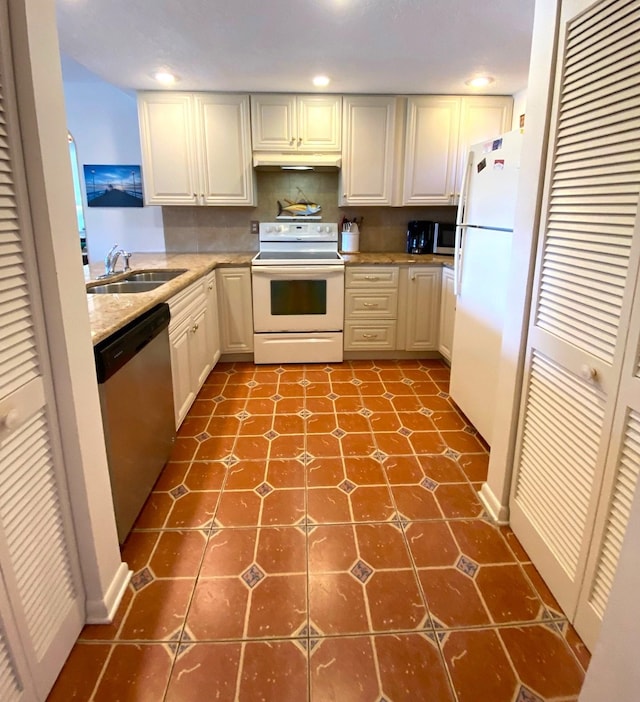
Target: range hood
[[269, 160]]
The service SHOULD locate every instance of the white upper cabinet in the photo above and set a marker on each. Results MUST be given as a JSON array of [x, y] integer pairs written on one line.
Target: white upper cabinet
[[439, 132], [368, 154], [307, 123], [196, 148], [481, 118], [431, 149], [167, 141], [223, 131]]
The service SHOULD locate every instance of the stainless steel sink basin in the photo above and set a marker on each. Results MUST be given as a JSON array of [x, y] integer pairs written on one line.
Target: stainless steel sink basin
[[156, 275], [125, 286], [138, 281]]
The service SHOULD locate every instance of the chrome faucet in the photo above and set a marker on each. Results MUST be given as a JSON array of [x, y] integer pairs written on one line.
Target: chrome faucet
[[111, 259]]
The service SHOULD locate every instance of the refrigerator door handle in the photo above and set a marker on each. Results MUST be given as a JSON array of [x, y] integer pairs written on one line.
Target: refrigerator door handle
[[457, 256], [457, 259], [463, 190]]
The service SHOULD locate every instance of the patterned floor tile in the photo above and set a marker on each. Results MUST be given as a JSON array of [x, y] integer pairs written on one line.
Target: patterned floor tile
[[200, 664], [411, 668], [508, 595], [275, 670], [158, 609], [138, 672], [81, 672], [543, 661], [344, 669], [317, 535]]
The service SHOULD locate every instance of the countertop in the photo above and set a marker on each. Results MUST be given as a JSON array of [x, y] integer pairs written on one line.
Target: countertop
[[395, 258], [108, 313]]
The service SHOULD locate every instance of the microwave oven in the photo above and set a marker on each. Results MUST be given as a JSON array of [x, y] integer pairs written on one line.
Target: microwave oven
[[444, 238]]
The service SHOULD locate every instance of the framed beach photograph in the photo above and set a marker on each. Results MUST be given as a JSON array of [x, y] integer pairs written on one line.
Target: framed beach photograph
[[113, 186]]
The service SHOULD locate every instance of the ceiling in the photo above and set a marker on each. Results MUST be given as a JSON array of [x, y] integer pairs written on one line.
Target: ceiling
[[364, 46]]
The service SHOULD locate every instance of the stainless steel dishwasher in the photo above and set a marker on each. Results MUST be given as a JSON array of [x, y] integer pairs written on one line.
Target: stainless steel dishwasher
[[136, 398]]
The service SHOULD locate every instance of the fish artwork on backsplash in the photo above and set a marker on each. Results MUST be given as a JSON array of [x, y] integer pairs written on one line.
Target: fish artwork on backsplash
[[303, 207]]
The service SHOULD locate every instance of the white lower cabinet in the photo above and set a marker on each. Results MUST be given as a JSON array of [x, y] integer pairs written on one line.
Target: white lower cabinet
[[236, 310], [447, 313], [194, 343], [371, 308], [422, 308]]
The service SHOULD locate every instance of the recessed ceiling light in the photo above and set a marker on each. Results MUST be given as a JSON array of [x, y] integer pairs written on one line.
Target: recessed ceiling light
[[479, 81], [165, 77], [321, 81]]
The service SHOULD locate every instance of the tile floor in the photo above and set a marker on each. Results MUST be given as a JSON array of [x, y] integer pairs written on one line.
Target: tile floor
[[317, 537]]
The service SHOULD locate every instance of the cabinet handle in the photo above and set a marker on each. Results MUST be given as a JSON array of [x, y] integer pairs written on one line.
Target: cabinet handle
[[369, 336], [370, 304], [195, 328], [413, 276], [299, 141], [210, 286], [292, 140], [344, 195], [371, 277]]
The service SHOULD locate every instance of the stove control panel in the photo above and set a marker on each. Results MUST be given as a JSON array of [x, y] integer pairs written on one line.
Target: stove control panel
[[298, 231]]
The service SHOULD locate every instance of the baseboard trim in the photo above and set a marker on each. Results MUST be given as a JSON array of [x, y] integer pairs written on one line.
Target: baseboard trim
[[103, 611], [497, 511]]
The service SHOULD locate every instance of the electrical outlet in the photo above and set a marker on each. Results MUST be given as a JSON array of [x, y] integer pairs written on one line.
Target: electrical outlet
[[255, 226]]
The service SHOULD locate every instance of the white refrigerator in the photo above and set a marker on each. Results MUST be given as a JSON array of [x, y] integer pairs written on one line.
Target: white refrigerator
[[483, 248]]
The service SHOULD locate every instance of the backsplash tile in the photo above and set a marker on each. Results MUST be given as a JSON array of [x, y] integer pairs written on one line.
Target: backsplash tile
[[215, 229]]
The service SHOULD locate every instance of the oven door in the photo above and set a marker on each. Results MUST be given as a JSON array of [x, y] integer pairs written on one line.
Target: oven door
[[298, 298]]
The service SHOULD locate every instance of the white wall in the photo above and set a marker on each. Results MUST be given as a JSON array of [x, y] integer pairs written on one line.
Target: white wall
[[104, 123], [519, 107]]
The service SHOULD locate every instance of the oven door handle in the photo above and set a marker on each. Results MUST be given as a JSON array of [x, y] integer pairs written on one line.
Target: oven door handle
[[297, 272]]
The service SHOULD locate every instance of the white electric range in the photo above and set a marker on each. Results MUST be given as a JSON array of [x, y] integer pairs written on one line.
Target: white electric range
[[298, 294]]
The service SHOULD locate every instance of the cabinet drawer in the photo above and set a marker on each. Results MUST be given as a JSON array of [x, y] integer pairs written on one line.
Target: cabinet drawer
[[373, 304], [187, 302], [370, 335], [371, 276]]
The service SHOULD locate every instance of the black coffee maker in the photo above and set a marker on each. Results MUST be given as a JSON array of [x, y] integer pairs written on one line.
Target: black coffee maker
[[420, 237]]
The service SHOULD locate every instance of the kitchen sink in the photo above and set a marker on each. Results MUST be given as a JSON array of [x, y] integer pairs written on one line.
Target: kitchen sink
[[155, 275], [137, 282], [126, 286]]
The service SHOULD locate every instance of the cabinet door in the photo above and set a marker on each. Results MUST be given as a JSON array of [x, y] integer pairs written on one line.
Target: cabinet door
[[169, 169], [235, 307], [273, 123], [481, 118], [447, 314], [368, 132], [181, 373], [423, 308], [223, 141], [431, 150], [319, 123], [199, 358], [212, 320]]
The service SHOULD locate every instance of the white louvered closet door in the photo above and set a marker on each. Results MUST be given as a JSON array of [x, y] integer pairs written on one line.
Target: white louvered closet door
[[622, 470], [586, 272], [41, 598]]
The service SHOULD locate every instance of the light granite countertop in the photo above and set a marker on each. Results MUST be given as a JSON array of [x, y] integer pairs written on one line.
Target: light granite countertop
[[395, 258], [108, 313]]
